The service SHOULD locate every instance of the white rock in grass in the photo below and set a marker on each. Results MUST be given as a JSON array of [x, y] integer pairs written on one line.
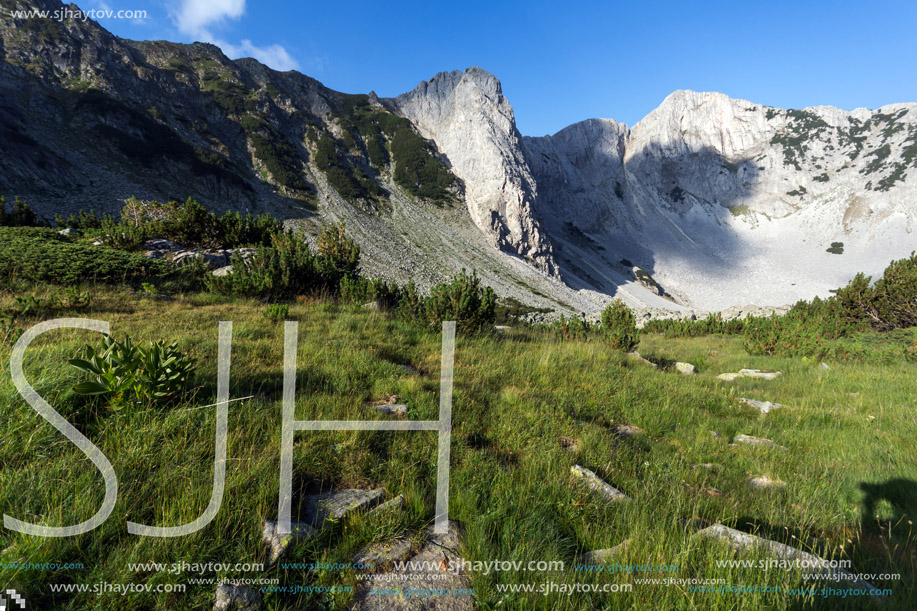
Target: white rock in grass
[[764, 481], [603, 556], [626, 430], [762, 406], [749, 373], [393, 505], [757, 373], [392, 409], [636, 355], [597, 483], [756, 441], [685, 368], [380, 555], [338, 504], [237, 598], [803, 560]]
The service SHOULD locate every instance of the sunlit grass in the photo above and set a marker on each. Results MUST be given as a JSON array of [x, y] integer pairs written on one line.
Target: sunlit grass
[[510, 484]]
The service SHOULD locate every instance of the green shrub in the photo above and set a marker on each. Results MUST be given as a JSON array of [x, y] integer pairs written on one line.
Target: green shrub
[[122, 374], [575, 328], [712, 324], [39, 254], [808, 329], [285, 269], [21, 215], [276, 311], [890, 304], [340, 255], [910, 352], [358, 291], [188, 223], [463, 300], [619, 326], [237, 230], [82, 220], [9, 331], [410, 303]]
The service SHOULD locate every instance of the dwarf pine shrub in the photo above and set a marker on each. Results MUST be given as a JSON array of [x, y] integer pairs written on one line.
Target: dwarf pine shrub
[[619, 327], [464, 300]]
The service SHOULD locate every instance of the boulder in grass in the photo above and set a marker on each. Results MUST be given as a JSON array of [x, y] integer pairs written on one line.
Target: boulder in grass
[[756, 441], [750, 373], [604, 556], [597, 483], [394, 504], [763, 481], [381, 555], [762, 406], [237, 598], [338, 504], [685, 368], [804, 561], [436, 569], [626, 430], [278, 542]]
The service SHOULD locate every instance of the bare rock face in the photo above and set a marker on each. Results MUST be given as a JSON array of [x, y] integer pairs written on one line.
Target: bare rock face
[[725, 201], [473, 125]]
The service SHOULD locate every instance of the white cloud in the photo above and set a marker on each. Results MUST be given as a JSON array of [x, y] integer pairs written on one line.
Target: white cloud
[[274, 56], [195, 18]]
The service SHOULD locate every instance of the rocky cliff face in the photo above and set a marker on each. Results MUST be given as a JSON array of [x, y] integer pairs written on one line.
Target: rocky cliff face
[[728, 202], [471, 122]]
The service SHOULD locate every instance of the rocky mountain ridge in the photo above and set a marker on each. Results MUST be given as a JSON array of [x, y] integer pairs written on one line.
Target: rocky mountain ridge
[[706, 203]]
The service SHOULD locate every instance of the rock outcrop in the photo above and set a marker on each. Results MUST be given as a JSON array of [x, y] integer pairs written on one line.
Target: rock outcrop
[[473, 125]]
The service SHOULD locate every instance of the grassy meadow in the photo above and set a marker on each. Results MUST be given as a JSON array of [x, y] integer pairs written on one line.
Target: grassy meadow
[[849, 465]]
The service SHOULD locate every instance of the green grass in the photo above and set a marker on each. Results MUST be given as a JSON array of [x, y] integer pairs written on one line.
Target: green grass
[[510, 483]]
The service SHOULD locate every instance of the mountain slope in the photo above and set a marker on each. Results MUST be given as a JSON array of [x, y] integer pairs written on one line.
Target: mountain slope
[[725, 202], [706, 203]]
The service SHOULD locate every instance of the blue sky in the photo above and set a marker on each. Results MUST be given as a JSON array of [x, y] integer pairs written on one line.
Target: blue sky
[[562, 63]]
